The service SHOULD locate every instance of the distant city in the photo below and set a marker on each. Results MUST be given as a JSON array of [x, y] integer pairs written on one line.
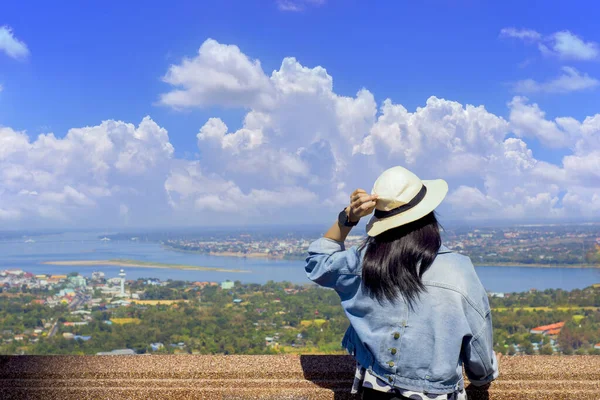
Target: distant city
[[72, 314], [549, 245], [99, 314]]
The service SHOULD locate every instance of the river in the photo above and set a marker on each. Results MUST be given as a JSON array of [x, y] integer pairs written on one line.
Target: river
[[87, 246]]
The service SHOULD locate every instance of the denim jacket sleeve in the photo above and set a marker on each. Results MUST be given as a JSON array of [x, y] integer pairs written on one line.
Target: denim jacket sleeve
[[328, 260], [479, 358]]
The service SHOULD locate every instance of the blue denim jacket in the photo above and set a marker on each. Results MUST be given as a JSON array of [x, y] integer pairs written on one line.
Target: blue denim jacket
[[423, 348]]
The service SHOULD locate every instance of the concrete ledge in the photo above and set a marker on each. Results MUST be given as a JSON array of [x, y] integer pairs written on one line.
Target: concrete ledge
[[262, 377]]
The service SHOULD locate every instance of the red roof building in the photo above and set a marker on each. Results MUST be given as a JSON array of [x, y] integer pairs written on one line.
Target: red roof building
[[552, 329]]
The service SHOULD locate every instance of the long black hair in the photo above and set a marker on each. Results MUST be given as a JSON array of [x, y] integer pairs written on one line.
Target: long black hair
[[396, 259]]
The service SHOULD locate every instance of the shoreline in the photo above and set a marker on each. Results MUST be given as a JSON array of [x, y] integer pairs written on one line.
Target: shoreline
[[139, 264], [513, 264], [234, 254], [487, 264]]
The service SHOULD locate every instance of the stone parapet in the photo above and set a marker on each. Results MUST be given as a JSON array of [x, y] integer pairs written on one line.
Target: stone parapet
[[262, 377]]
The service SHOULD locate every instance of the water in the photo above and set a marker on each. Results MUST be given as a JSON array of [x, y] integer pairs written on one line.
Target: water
[[87, 246]]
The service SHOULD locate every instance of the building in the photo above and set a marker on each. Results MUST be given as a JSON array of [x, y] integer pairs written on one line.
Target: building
[[77, 281], [120, 303], [66, 292], [117, 352], [156, 346], [114, 281], [122, 275], [550, 330], [227, 285], [81, 312], [97, 275]]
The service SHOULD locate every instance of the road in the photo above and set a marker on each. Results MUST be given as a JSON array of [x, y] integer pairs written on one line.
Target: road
[[77, 301], [53, 329]]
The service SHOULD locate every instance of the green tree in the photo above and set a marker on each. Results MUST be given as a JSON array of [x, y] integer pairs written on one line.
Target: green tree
[[528, 348], [547, 349]]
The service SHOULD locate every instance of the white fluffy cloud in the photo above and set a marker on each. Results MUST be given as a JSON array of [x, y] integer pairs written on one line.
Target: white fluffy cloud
[[301, 149], [524, 34], [309, 137], [297, 5], [458, 138], [12, 46], [563, 44], [528, 120], [569, 46], [202, 196], [219, 74], [571, 80], [81, 177]]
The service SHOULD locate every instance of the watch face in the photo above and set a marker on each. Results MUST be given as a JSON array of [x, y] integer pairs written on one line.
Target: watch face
[[343, 218]]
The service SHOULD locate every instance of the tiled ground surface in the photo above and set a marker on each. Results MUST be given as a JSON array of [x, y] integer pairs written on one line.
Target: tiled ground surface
[[262, 377]]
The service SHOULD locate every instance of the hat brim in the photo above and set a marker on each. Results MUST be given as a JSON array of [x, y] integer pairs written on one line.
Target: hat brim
[[436, 192]]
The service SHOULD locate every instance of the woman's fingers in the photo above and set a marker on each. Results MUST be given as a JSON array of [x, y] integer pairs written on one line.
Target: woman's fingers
[[356, 194], [362, 199], [364, 208], [368, 205], [362, 203]]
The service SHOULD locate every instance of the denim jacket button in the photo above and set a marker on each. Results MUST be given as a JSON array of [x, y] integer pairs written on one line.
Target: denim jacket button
[[396, 335], [393, 350], [390, 379], [391, 363]]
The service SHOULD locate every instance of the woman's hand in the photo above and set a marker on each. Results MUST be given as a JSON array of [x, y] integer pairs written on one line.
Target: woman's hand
[[361, 204]]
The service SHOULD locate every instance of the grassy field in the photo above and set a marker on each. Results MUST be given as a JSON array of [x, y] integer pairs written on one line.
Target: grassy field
[[577, 318], [317, 322], [121, 321]]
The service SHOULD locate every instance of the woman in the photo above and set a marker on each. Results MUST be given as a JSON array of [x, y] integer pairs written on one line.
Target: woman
[[417, 310]]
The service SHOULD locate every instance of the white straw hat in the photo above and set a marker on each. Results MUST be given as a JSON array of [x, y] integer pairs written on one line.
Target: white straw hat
[[403, 198]]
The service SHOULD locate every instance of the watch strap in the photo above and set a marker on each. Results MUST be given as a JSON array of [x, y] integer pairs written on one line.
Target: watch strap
[[344, 221]]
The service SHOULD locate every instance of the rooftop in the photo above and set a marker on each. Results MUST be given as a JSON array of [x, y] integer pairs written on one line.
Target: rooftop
[[557, 325], [258, 377]]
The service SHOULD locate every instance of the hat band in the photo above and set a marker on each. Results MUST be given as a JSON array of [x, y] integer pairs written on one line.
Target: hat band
[[379, 214]]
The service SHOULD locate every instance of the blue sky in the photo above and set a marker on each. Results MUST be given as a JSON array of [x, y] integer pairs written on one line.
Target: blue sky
[[108, 61]]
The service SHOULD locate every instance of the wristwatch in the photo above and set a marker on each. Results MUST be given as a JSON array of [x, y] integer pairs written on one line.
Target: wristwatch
[[344, 221]]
